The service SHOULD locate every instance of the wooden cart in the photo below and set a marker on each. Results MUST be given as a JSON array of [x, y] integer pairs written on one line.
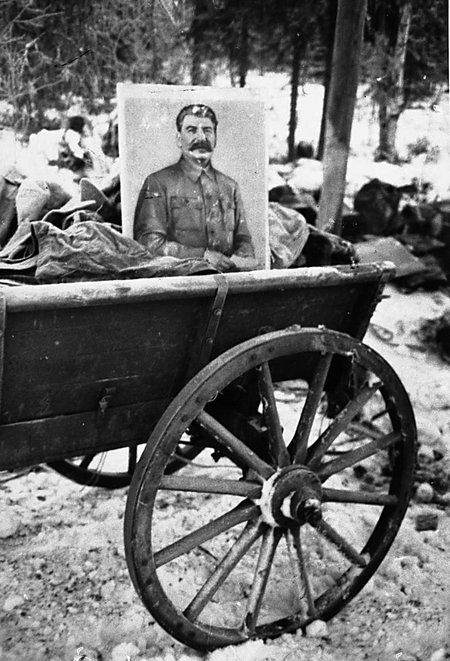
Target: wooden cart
[[278, 450]]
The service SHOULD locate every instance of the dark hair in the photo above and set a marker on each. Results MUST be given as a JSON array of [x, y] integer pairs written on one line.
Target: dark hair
[[198, 110]]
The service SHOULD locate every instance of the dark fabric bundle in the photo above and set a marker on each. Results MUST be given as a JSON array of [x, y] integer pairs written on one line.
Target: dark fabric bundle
[[96, 251]]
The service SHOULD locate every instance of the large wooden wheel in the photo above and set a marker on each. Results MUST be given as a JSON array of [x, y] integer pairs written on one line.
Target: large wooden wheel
[[244, 544]]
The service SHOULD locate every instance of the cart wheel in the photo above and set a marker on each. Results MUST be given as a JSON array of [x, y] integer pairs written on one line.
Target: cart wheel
[[104, 469], [237, 547]]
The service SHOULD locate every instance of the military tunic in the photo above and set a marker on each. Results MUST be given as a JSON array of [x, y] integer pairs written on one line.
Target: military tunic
[[184, 210]]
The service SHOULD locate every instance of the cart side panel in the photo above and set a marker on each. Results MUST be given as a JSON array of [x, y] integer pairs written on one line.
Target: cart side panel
[[61, 437], [67, 361], [345, 307]]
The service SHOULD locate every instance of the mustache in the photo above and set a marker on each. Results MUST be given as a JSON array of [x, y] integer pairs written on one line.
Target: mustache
[[201, 144]]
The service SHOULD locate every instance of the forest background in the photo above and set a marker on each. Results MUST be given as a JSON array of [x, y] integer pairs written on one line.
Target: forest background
[[55, 53]]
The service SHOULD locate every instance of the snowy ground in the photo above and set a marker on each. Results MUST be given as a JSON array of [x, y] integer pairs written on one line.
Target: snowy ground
[[64, 583]]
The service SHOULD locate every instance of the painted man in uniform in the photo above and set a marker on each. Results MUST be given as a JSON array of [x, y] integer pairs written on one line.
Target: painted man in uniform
[[190, 209]]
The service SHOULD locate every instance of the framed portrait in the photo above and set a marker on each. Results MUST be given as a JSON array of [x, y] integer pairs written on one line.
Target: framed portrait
[[148, 143]]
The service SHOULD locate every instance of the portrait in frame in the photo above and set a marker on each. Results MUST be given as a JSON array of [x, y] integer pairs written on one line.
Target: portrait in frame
[[148, 143]]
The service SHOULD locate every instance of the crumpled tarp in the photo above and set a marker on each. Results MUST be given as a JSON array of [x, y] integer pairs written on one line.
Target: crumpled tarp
[[10, 181], [288, 233], [88, 250], [96, 251], [19, 255]]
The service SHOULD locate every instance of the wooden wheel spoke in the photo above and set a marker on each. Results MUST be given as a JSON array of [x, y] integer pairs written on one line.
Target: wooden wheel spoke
[[339, 424], [132, 459], [248, 536], [272, 419], [355, 456], [266, 554], [358, 497], [365, 430], [293, 539], [209, 485], [380, 414], [238, 449], [86, 461], [299, 443], [243, 512], [340, 543]]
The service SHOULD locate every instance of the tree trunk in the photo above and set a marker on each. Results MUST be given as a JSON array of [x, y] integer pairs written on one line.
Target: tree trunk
[[391, 95], [331, 26], [340, 108], [243, 49], [196, 70], [156, 66], [298, 50]]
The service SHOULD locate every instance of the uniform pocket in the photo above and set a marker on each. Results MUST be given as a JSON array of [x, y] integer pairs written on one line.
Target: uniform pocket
[[221, 224], [187, 219], [229, 215]]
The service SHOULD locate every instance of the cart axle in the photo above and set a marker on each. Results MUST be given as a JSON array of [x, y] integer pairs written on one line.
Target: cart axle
[[291, 496]]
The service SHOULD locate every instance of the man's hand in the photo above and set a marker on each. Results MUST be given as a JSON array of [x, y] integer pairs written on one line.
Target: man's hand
[[219, 261], [245, 263]]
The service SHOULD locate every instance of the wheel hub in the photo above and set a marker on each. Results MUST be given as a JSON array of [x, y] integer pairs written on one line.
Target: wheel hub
[[291, 496]]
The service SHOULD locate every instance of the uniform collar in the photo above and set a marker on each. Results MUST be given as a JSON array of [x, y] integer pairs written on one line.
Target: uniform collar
[[193, 171]]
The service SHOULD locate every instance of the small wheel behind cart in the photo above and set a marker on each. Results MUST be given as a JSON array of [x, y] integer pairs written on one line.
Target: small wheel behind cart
[[114, 469], [252, 543], [110, 470]]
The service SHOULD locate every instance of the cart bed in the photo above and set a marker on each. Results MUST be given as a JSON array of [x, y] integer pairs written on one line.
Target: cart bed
[[89, 367]]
